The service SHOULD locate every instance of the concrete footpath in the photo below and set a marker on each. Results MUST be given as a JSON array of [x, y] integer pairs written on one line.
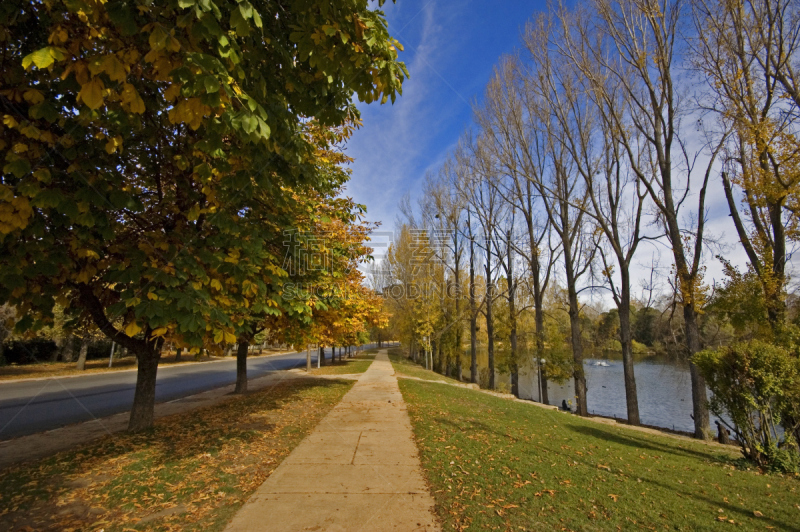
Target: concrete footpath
[[358, 470]]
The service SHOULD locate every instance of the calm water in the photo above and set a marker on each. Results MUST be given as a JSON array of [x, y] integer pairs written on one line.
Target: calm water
[[664, 389]]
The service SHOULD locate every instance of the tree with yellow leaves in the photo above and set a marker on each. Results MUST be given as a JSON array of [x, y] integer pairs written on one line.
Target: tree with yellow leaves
[[151, 150]]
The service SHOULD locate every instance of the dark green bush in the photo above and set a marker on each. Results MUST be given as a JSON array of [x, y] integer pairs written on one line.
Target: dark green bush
[[757, 386]]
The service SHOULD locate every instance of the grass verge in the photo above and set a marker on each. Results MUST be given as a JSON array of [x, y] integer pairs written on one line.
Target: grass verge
[[495, 464], [190, 472], [405, 366], [62, 369], [357, 364]]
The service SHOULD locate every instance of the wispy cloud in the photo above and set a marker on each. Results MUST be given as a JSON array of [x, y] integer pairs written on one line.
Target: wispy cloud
[[398, 142]]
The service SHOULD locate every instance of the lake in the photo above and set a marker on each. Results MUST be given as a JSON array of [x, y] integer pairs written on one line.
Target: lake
[[664, 388]]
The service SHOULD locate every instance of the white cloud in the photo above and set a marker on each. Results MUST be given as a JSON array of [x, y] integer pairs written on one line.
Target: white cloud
[[397, 143]]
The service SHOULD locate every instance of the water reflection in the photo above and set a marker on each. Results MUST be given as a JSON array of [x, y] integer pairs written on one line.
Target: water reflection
[[664, 389]]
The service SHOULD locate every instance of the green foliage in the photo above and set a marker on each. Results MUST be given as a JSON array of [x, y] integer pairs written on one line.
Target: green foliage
[[741, 301], [639, 348], [155, 153], [757, 385], [557, 350], [608, 326], [644, 325]]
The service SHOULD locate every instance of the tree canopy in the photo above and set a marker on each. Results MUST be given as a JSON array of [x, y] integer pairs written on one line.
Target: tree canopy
[[154, 153]]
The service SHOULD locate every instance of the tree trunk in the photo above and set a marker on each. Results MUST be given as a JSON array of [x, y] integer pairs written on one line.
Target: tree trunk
[[321, 356], [624, 307], [776, 304], [512, 318], [178, 354], [545, 399], [82, 354], [67, 353], [460, 326], [513, 355], [490, 331], [473, 312], [144, 397], [241, 365], [699, 399], [538, 311], [55, 354], [575, 336]]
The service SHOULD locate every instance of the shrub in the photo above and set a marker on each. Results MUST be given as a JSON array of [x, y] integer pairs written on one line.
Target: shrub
[[757, 385], [29, 351]]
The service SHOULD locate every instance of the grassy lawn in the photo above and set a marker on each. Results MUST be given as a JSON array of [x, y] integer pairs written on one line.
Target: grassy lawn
[[495, 464], [357, 364], [191, 472], [406, 366], [61, 369]]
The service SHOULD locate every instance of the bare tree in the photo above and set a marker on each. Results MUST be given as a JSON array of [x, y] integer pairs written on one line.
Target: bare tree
[[616, 197], [485, 204], [520, 156], [644, 36], [553, 102], [453, 212]]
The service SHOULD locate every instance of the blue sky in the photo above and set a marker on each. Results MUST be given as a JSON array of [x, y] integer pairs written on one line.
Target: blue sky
[[450, 50]]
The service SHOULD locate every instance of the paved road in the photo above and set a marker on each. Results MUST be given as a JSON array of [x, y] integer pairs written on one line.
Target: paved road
[[34, 406]]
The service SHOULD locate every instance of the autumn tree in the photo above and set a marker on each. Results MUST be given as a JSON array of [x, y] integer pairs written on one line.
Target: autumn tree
[[616, 198], [746, 65], [486, 206], [558, 110], [141, 142], [645, 37]]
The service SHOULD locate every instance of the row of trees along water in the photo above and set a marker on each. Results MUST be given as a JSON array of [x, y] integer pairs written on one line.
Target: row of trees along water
[[172, 171], [595, 148]]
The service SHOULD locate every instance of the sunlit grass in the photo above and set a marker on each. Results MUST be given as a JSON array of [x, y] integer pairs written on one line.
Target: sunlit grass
[[406, 366], [495, 464], [358, 364]]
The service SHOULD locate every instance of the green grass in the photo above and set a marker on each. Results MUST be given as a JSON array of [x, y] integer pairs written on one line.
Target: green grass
[[192, 471], [406, 366], [495, 464], [357, 364]]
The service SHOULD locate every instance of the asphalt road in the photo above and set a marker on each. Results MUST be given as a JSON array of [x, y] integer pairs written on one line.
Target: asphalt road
[[32, 406]]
